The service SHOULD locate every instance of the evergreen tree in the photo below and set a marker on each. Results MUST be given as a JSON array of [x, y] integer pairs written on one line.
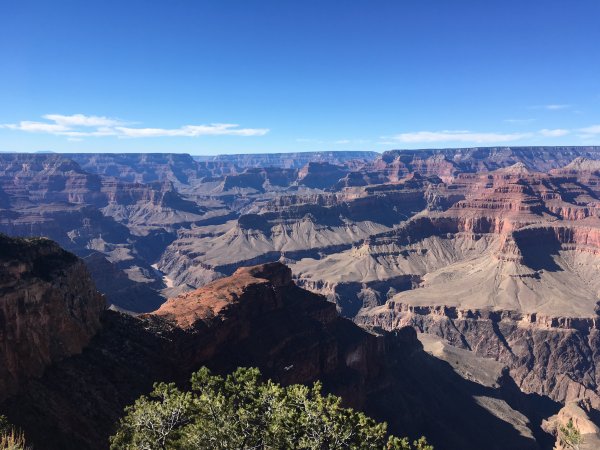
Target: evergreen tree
[[242, 412], [570, 436]]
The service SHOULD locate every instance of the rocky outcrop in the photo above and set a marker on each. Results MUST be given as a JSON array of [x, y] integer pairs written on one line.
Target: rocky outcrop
[[32, 179], [552, 356], [258, 180], [258, 316], [578, 415], [49, 309], [507, 270], [320, 175]]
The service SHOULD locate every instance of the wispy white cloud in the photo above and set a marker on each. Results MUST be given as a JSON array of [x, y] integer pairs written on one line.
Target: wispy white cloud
[[455, 136], [214, 129], [81, 120], [36, 127], [78, 126], [519, 121], [336, 142], [552, 107], [309, 141], [589, 133], [553, 133], [466, 136], [594, 129]]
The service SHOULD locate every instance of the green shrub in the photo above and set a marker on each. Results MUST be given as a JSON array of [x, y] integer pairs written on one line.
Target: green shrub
[[241, 412], [569, 436]]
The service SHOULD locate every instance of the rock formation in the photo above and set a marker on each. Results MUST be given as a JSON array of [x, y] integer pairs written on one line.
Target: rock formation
[[49, 309]]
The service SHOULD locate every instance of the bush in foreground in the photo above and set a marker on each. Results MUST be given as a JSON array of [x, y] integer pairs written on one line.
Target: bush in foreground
[[241, 412]]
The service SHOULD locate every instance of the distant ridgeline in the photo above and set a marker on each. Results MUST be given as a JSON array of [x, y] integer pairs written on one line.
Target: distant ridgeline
[[289, 160]]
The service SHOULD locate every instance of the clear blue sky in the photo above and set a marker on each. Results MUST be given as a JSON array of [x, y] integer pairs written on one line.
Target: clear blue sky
[[264, 76]]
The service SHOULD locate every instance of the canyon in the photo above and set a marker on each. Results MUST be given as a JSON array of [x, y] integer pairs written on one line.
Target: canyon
[[256, 317], [461, 278]]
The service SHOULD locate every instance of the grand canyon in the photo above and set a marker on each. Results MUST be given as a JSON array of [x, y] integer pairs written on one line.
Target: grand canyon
[[299, 225], [452, 293]]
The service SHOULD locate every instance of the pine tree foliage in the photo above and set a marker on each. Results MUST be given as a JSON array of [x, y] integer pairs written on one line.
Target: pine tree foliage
[[242, 412], [570, 436]]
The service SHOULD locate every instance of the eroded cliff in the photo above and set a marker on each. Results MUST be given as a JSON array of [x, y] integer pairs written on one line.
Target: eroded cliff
[[49, 309]]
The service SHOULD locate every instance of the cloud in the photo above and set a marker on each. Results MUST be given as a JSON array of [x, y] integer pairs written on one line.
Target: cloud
[[589, 133], [455, 136], [309, 141], [336, 142], [519, 121], [594, 129], [78, 126], [214, 129], [554, 133], [36, 127], [466, 136], [552, 107], [80, 120]]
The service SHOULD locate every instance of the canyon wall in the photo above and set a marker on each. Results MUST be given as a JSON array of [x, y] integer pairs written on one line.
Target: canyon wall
[[49, 309]]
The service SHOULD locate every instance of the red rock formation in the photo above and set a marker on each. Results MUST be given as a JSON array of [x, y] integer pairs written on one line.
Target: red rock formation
[[228, 316]]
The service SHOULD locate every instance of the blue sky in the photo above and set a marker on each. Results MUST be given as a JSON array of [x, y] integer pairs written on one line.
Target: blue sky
[[266, 76]]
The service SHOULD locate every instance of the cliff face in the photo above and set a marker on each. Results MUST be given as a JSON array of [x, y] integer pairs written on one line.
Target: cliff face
[[258, 316], [49, 309], [552, 356]]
